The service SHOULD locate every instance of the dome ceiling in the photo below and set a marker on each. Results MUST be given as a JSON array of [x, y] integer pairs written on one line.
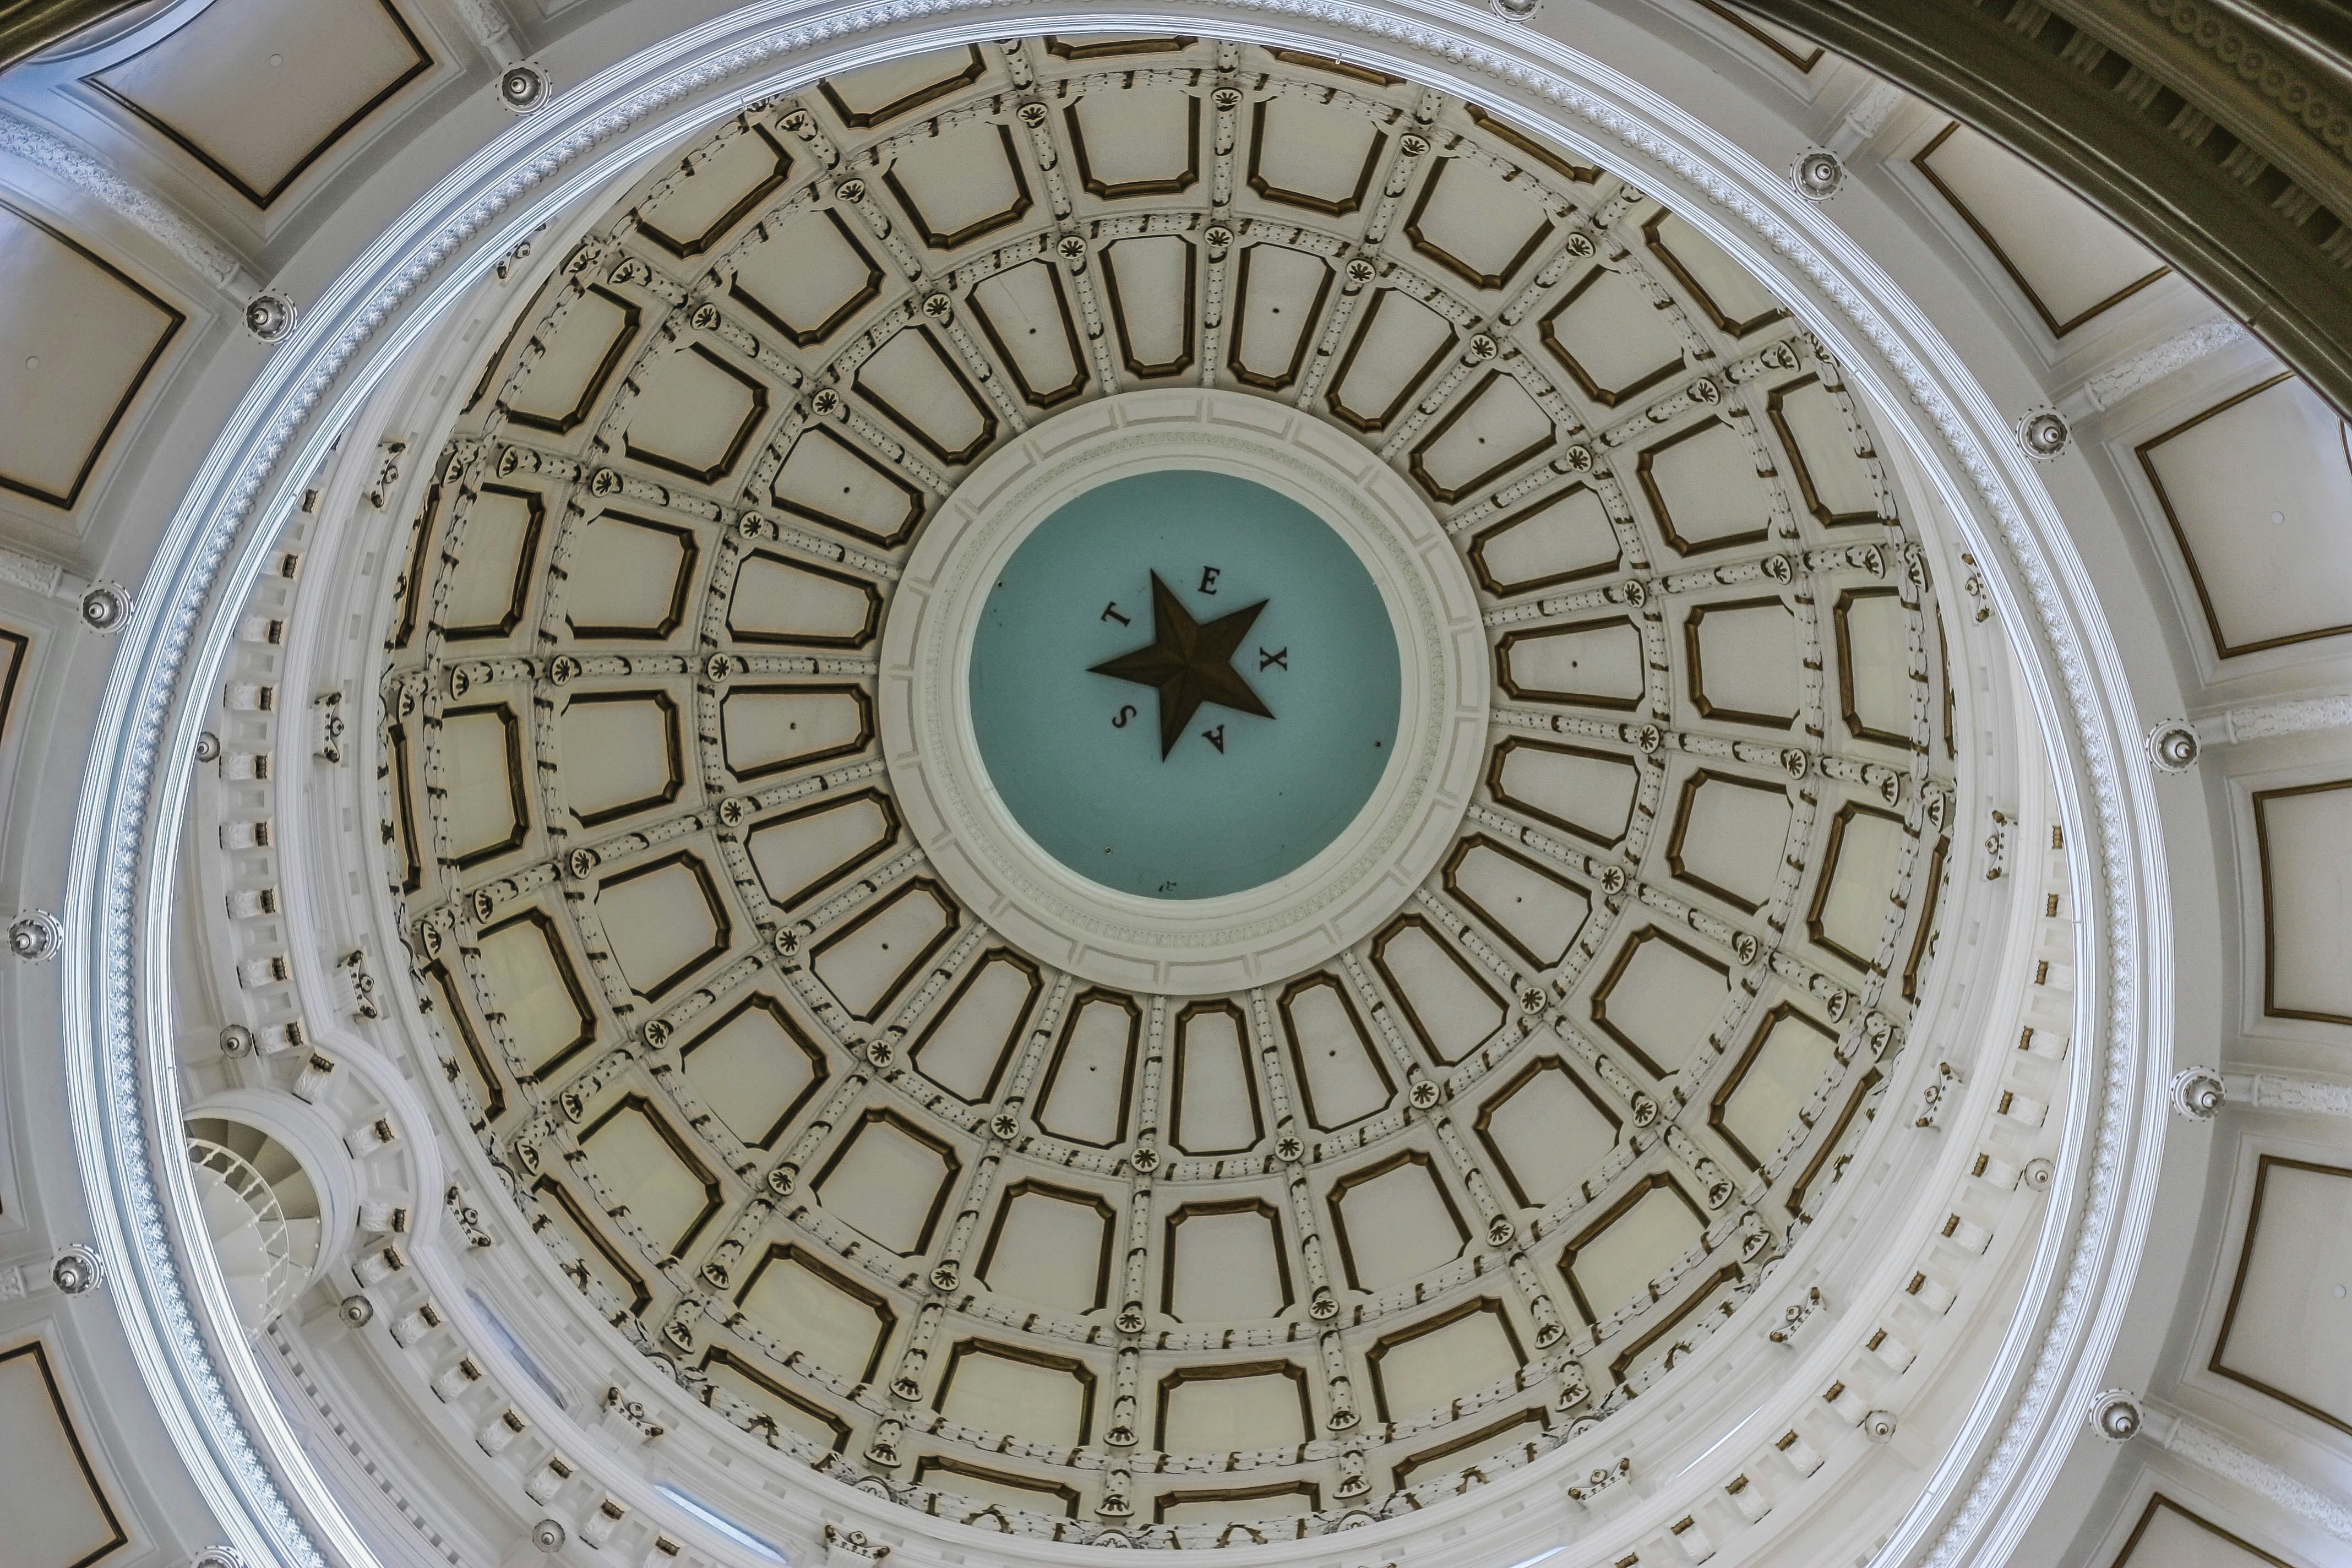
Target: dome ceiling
[[909, 1206]]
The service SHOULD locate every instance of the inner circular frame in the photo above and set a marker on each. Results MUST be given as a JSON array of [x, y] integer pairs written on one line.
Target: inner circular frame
[[1238, 940], [1242, 772]]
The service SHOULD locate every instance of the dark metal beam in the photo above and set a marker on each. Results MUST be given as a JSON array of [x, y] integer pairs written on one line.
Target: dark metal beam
[[28, 26]]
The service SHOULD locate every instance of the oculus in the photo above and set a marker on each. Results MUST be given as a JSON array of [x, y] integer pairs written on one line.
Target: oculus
[[1127, 666]]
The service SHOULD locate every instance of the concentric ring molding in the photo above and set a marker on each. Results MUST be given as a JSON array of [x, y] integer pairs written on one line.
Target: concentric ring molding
[[1203, 946], [2104, 789]]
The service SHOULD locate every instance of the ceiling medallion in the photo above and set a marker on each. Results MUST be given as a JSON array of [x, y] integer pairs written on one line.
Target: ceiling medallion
[[1186, 918], [524, 86]]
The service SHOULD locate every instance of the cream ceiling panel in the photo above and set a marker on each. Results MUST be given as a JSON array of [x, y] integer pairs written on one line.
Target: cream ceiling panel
[[1744, 663], [1566, 537], [717, 189], [2304, 836], [769, 1399], [867, 962], [769, 729], [1276, 299], [969, 1041], [1477, 224], [637, 1152], [2071, 262], [2172, 1535], [1215, 1108], [1025, 312], [888, 1182], [1341, 1077], [992, 1492], [1730, 836], [1225, 1263], [537, 989], [1315, 155], [1728, 293], [1784, 1064], [809, 1308], [1395, 1222], [562, 373], [78, 339], [826, 478], [1399, 346], [2287, 1330], [1494, 429], [781, 601], [257, 90], [636, 734], [914, 381], [1450, 1009], [1872, 628], [489, 813], [998, 1389], [756, 1067], [1597, 664], [1660, 1000], [1825, 453], [1255, 1406], [965, 182], [1149, 284], [502, 527], [1237, 1512], [801, 853], [664, 921], [808, 274], [696, 415], [895, 87], [1703, 486], [1470, 1347], [1050, 1246], [1138, 142], [1534, 908], [628, 577], [1612, 1263], [2257, 490], [1609, 336], [1546, 1131], [1087, 1087], [1587, 793], [1849, 915], [58, 1513]]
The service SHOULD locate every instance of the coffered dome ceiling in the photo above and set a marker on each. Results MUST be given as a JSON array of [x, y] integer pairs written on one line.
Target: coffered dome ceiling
[[901, 1201]]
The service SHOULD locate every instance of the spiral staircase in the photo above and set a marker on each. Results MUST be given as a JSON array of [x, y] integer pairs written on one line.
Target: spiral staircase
[[261, 1212]]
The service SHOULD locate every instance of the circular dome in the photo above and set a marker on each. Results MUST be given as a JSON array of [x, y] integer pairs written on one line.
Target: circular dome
[[1204, 583], [787, 780], [785, 1079]]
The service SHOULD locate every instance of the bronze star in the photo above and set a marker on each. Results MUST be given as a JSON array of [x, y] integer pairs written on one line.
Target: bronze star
[[1188, 663]]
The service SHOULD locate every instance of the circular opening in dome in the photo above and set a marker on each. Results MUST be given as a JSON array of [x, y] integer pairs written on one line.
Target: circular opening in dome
[[1184, 684]]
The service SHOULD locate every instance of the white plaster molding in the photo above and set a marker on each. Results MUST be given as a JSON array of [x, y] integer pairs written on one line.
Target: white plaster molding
[[2290, 718], [2271, 1091], [2152, 364], [47, 151], [1867, 118], [52, 579], [489, 27], [2208, 1450]]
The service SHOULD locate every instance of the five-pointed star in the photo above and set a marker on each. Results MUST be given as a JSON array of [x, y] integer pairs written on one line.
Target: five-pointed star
[[1188, 663]]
